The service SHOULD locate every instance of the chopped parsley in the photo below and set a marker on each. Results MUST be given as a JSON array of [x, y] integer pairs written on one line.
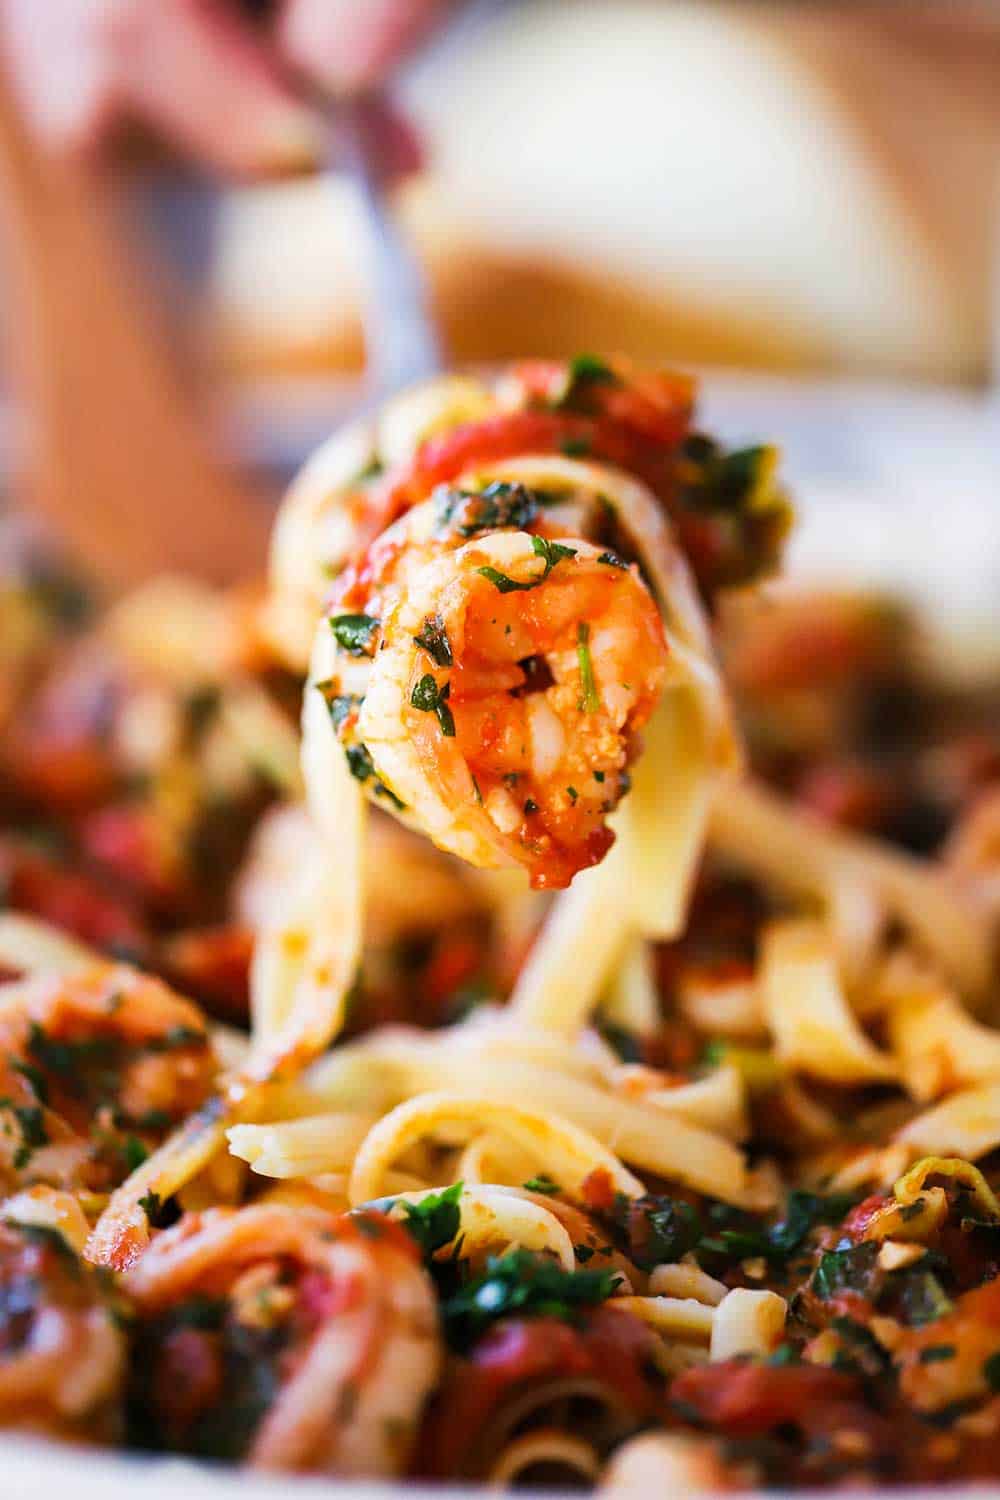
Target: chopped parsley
[[31, 1123], [504, 583], [362, 768], [935, 1353], [552, 552], [36, 1078], [151, 1205], [589, 701], [199, 1311], [991, 1372], [804, 1211], [434, 639], [585, 372], [923, 1298], [134, 1152], [575, 448], [159, 1212], [434, 1221], [67, 1059], [523, 1284], [849, 1270], [176, 1037], [543, 1184], [613, 560], [496, 506], [371, 470], [339, 705], [355, 634], [658, 1229], [430, 698]]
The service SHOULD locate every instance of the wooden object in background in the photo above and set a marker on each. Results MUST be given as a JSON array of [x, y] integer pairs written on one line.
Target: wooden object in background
[[116, 456]]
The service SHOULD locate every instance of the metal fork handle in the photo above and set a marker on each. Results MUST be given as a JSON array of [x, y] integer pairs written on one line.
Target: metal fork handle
[[401, 341]]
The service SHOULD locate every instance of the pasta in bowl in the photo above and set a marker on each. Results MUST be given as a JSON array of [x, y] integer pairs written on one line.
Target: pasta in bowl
[[586, 1108]]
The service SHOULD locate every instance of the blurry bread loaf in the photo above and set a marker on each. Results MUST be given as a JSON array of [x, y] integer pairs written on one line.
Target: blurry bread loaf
[[780, 185]]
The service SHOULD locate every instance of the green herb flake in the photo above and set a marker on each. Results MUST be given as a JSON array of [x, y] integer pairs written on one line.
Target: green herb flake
[[135, 1153], [35, 1077], [589, 701], [849, 1270], [504, 584], [804, 1210], [359, 762], [658, 1229], [935, 1353], [613, 560], [340, 706], [31, 1119], [371, 470], [435, 1220], [152, 1206], [588, 367], [355, 634], [991, 1372], [362, 768], [572, 793], [542, 1184], [575, 448], [497, 506], [584, 373], [177, 1037], [201, 1312], [429, 698], [434, 639], [553, 553], [524, 1284], [924, 1299]]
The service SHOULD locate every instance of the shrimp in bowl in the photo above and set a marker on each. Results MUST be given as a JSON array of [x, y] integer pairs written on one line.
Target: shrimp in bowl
[[289, 1337], [62, 1354], [103, 1062]]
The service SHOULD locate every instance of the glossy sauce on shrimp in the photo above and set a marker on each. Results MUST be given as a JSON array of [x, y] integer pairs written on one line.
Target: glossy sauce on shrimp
[[61, 1353], [109, 1060], [493, 679], [289, 1337], [548, 695]]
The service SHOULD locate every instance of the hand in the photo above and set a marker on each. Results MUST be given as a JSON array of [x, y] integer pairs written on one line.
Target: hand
[[204, 74]]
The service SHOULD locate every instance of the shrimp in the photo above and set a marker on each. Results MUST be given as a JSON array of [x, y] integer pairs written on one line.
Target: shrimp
[[730, 514], [490, 661], [111, 1058], [513, 674], [291, 1338], [62, 1355]]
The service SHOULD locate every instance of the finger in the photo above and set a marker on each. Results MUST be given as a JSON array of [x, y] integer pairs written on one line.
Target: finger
[[343, 46], [392, 142], [62, 75], [212, 85]]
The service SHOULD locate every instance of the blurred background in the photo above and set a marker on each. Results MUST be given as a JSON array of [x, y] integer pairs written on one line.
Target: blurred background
[[780, 186], [801, 198]]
